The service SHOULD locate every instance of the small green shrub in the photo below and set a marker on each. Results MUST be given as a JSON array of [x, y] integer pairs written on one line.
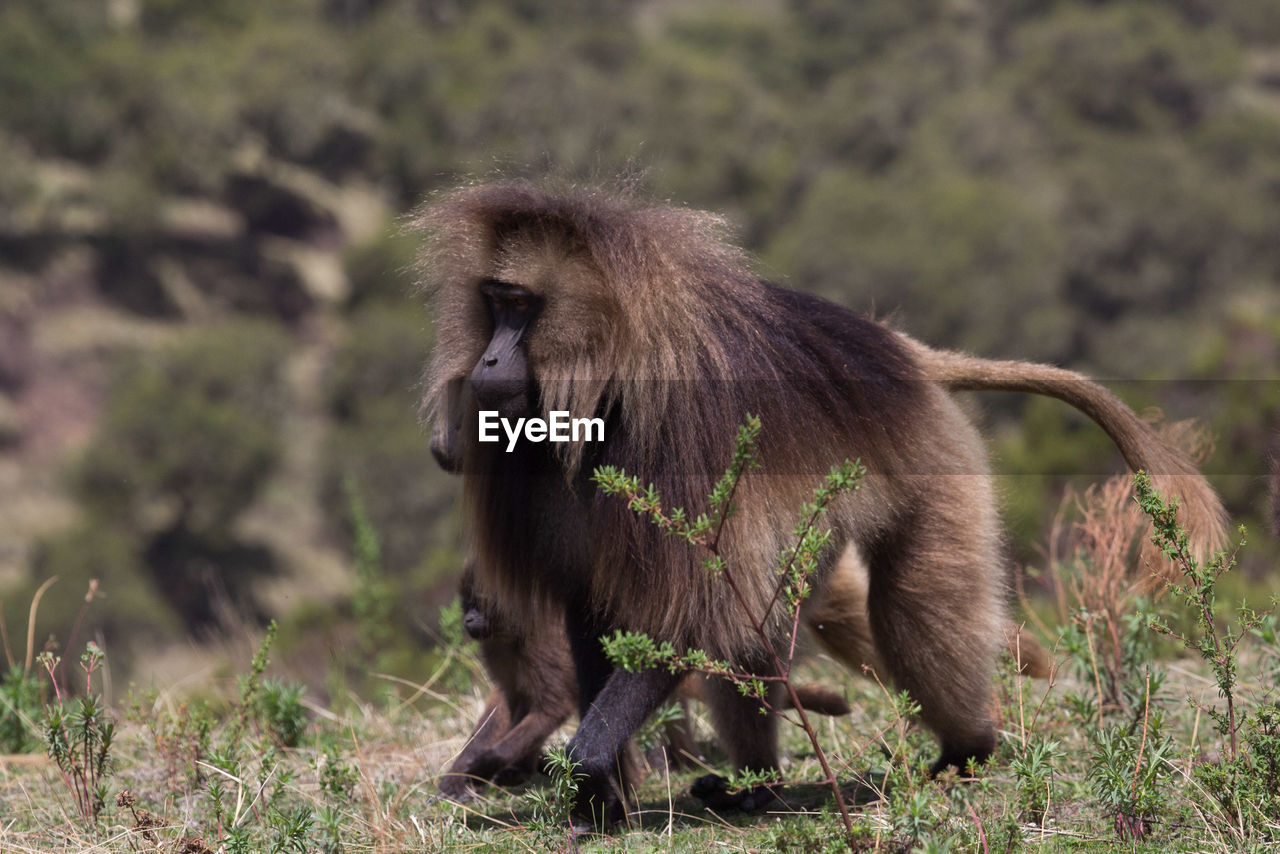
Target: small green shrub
[[280, 711], [1245, 784], [79, 733], [1129, 769], [1033, 771]]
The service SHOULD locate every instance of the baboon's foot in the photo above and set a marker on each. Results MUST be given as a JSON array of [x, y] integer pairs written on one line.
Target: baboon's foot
[[713, 791], [960, 756], [458, 788]]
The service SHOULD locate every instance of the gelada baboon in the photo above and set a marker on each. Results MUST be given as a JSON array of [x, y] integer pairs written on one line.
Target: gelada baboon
[[535, 691], [643, 315]]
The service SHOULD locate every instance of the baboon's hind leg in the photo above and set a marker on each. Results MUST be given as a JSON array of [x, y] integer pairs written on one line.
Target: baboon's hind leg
[[936, 608]]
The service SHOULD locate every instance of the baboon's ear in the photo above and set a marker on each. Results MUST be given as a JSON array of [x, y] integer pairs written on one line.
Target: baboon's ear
[[446, 435]]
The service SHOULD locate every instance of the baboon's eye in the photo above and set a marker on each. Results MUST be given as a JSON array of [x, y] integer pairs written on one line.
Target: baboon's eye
[[520, 304]]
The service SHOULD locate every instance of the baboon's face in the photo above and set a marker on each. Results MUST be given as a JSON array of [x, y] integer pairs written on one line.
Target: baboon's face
[[548, 305], [501, 380], [475, 622], [540, 312]]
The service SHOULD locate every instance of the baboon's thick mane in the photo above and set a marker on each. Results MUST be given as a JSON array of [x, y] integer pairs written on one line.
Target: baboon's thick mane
[[674, 307], [673, 338]]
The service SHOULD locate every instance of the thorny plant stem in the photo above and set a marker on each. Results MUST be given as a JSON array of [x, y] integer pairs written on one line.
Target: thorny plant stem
[[75, 627], [781, 666], [785, 571], [977, 822], [1022, 717], [784, 671]]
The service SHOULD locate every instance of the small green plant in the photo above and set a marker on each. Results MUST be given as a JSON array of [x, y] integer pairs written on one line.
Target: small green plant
[[250, 685], [551, 809], [1033, 771], [373, 601], [795, 567], [250, 788], [1128, 769], [79, 733], [338, 777], [803, 835], [280, 711], [650, 734], [911, 810], [180, 735], [1246, 783]]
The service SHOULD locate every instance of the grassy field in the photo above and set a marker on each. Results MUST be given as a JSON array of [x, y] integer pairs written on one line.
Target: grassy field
[[1145, 739], [364, 780]]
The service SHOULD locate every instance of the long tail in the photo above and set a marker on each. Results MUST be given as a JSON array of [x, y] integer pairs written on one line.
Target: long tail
[[1172, 472], [820, 700]]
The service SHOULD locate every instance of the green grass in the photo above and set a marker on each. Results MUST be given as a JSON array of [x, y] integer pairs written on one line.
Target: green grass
[[363, 780], [1159, 732]]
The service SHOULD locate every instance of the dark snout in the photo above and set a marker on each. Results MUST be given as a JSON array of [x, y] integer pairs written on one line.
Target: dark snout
[[500, 380]]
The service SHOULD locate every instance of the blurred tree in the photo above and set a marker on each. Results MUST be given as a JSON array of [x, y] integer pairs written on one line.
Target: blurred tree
[[1126, 66], [190, 437], [373, 395], [957, 259], [1088, 182]]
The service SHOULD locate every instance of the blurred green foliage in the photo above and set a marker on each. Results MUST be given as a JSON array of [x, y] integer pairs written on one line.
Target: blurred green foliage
[[189, 438], [376, 439], [190, 435], [1088, 183]]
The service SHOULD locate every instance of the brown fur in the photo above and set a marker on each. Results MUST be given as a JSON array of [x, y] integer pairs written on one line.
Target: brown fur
[[655, 322], [535, 692], [838, 619], [1172, 472]]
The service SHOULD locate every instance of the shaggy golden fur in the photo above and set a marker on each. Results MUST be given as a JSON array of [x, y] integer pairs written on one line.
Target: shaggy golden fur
[[838, 619], [655, 322]]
